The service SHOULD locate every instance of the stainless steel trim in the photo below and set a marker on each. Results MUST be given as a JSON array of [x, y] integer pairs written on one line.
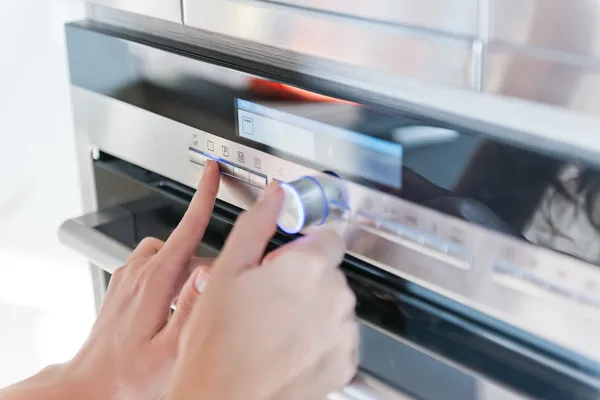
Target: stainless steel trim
[[566, 82], [169, 10], [563, 25], [412, 53], [458, 17], [147, 140]]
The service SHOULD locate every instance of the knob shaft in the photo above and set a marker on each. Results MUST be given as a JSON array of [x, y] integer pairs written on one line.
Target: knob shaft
[[308, 201]]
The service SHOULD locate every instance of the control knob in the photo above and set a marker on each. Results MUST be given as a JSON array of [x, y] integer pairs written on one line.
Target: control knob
[[308, 202]]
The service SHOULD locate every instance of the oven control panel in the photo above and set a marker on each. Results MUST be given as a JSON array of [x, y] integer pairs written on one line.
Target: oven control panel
[[230, 169], [514, 281]]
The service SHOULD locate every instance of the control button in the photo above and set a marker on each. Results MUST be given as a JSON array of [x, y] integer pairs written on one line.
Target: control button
[[210, 145], [258, 180], [225, 151], [339, 210], [403, 232], [257, 163], [505, 269], [306, 202], [459, 253], [435, 244], [226, 168], [368, 220], [197, 158], [241, 174]]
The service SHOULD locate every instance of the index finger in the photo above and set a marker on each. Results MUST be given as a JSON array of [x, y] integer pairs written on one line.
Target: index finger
[[184, 240]]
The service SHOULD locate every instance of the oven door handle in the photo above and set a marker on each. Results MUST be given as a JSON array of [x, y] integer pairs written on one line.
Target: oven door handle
[[365, 387], [101, 250]]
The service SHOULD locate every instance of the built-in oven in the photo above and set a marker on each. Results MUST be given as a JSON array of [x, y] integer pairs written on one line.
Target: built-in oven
[[474, 257]]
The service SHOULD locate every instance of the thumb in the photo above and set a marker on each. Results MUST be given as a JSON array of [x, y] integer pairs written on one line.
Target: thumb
[[189, 295]]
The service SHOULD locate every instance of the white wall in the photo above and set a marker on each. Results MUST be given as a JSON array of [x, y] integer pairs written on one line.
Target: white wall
[[46, 299]]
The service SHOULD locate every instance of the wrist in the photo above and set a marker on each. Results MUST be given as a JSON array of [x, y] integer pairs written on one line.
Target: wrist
[[52, 383], [81, 382]]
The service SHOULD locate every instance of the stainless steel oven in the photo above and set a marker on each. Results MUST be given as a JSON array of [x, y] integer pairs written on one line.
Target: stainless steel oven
[[472, 246]]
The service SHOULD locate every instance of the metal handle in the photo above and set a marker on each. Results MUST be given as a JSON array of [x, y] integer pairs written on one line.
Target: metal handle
[[365, 387], [100, 249]]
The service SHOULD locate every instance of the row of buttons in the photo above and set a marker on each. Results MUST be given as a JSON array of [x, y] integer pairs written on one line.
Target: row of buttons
[[226, 168], [461, 257], [514, 272]]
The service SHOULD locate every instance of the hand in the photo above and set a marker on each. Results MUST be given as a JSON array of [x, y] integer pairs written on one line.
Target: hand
[[133, 345], [282, 327]]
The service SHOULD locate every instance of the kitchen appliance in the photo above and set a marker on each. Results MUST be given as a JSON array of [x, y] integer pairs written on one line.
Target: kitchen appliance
[[471, 220]]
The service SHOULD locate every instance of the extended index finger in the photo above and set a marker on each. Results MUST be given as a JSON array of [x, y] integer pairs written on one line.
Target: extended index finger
[[184, 240]]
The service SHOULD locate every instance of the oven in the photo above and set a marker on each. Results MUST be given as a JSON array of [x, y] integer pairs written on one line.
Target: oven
[[474, 256]]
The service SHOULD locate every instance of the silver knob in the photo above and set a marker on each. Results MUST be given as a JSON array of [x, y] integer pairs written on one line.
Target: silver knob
[[307, 202]]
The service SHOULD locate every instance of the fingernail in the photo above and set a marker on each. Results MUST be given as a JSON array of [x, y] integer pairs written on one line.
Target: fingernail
[[270, 191], [200, 281], [210, 163]]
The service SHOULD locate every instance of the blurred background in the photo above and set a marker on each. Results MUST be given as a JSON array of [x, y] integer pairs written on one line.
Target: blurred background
[[46, 298]]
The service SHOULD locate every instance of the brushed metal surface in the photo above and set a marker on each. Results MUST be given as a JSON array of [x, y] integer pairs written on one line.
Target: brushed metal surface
[[459, 17], [563, 25], [161, 145], [558, 81], [169, 10], [417, 54]]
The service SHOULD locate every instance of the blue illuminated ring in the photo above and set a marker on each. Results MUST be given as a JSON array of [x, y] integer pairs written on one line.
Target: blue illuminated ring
[[301, 211]]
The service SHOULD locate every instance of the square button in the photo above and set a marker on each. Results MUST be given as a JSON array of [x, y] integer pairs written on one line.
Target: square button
[[225, 151], [241, 157], [257, 163], [241, 174], [210, 145], [197, 158], [226, 168], [258, 180]]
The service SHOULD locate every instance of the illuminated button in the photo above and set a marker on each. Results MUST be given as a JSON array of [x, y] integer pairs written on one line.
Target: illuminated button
[[197, 158], [226, 168], [241, 174], [258, 180]]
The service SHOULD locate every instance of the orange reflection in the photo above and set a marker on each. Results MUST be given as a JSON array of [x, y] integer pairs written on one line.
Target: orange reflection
[[280, 91]]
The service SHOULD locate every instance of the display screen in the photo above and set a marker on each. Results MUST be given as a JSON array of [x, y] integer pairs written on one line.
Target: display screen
[[321, 143]]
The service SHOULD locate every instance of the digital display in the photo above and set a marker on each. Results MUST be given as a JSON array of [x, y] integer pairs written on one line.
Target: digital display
[[321, 143]]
